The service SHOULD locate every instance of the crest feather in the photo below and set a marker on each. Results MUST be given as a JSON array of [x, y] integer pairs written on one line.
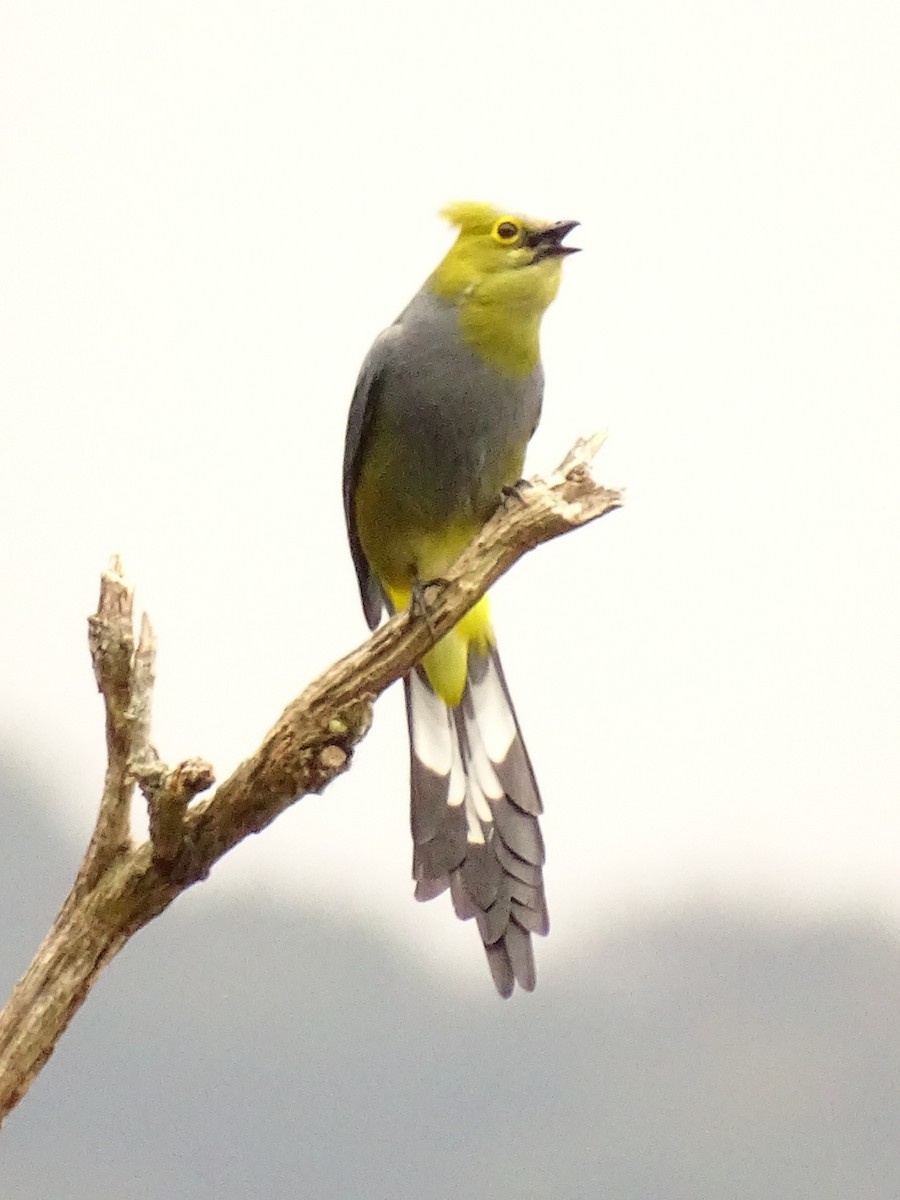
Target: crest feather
[[471, 216]]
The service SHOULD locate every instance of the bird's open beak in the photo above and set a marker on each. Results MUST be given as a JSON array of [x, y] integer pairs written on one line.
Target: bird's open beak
[[547, 242]]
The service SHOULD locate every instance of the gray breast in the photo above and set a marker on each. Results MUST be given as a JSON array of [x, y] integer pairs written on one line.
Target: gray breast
[[457, 420]]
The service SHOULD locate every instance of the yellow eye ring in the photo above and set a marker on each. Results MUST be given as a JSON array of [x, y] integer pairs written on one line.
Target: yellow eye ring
[[506, 231]]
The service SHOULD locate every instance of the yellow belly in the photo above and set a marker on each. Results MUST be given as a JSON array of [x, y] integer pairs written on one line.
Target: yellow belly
[[400, 557]]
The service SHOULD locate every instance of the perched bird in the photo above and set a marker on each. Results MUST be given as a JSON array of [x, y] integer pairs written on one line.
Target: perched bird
[[445, 404]]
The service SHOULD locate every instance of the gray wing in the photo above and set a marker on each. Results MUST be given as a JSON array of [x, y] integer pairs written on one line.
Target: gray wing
[[362, 409]]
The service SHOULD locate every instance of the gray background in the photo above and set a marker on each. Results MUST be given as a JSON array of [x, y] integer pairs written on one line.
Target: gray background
[[259, 1049]]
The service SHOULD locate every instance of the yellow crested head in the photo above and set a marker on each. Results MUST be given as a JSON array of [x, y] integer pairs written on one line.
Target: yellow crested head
[[502, 254], [502, 272]]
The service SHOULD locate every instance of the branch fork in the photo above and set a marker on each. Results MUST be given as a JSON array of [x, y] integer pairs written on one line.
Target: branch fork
[[121, 886], [125, 675]]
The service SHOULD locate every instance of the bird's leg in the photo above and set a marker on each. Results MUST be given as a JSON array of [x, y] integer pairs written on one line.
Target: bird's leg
[[418, 602]]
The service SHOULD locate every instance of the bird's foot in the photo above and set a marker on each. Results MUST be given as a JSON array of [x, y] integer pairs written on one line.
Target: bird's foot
[[418, 600], [513, 491]]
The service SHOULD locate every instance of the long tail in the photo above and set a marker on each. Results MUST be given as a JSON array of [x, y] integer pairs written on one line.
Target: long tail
[[475, 808]]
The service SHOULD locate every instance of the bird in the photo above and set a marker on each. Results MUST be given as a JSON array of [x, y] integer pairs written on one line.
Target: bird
[[445, 404]]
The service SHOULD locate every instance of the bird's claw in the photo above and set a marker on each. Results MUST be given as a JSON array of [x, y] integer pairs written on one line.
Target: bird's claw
[[513, 491], [418, 601]]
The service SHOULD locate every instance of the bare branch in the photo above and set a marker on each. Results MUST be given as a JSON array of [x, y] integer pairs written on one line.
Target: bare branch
[[143, 679], [121, 887], [168, 793], [111, 643]]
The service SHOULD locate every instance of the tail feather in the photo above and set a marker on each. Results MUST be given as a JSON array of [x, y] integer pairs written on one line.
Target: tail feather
[[428, 889], [519, 831], [517, 867], [521, 956], [501, 735], [501, 968], [474, 811]]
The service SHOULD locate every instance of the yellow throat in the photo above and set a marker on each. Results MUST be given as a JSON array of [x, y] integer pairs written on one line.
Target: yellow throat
[[502, 273]]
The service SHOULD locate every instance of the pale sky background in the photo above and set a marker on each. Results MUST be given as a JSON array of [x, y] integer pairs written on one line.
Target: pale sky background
[[207, 212]]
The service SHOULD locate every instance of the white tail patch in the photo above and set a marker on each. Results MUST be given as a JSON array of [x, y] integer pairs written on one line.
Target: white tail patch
[[481, 765], [456, 791], [496, 723], [474, 828], [433, 738], [477, 807]]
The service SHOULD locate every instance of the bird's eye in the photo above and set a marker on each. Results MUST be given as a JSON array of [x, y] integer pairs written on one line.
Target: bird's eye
[[506, 232]]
